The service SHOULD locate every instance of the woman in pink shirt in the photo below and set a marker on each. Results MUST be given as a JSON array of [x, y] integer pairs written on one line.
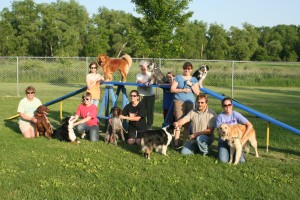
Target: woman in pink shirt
[[88, 124]]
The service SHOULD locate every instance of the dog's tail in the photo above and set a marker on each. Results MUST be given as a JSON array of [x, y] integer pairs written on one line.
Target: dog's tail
[[128, 59]]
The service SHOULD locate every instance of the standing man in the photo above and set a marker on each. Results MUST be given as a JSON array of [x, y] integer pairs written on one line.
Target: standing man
[[203, 120], [147, 94]]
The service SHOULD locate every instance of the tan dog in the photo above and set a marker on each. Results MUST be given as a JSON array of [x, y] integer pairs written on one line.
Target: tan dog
[[111, 65], [233, 135]]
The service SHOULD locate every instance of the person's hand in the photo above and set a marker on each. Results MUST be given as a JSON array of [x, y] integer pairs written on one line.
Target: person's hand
[[192, 136], [121, 116], [176, 125], [34, 120], [189, 83], [186, 90]]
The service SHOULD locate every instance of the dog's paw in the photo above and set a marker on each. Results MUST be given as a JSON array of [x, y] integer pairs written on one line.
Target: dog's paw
[[83, 135]]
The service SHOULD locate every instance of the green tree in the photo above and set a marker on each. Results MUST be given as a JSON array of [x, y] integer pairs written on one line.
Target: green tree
[[217, 46], [26, 24], [159, 21], [114, 31], [243, 42], [191, 38], [7, 34]]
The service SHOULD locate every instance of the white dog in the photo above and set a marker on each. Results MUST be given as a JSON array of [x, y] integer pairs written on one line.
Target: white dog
[[71, 132]]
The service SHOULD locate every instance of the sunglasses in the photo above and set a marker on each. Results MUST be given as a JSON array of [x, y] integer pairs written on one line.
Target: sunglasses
[[93, 67], [133, 95], [227, 105], [85, 99], [29, 92]]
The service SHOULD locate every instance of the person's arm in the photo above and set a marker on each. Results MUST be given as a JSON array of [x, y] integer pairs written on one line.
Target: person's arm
[[89, 82], [26, 118], [180, 122], [208, 132], [130, 118], [246, 135], [88, 118], [174, 88]]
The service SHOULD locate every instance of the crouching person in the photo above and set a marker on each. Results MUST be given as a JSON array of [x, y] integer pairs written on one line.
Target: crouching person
[[203, 121], [88, 124]]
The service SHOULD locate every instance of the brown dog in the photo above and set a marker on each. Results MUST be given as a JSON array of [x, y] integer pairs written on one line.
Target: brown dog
[[114, 126], [111, 65], [43, 127], [233, 135]]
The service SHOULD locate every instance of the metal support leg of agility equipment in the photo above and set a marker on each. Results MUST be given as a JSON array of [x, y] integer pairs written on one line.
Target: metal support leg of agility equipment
[[109, 94], [170, 116]]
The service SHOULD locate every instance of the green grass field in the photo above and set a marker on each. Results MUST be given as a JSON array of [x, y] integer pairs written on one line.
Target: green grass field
[[49, 169]]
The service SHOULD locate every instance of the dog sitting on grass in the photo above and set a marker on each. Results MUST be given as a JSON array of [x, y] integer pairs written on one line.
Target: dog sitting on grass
[[114, 127]]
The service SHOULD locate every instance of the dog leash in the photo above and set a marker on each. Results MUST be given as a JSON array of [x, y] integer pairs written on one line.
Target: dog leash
[[123, 127]]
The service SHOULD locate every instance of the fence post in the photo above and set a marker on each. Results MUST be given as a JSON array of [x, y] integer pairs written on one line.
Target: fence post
[[232, 79], [18, 89]]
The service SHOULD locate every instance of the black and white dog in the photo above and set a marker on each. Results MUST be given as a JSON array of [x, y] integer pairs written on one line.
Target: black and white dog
[[201, 74], [158, 140], [157, 76], [66, 132]]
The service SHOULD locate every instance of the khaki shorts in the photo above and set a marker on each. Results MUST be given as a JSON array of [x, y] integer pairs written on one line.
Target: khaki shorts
[[25, 126], [182, 108]]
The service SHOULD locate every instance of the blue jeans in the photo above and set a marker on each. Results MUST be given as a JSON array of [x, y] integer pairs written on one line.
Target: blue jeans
[[200, 144], [224, 152], [91, 131], [96, 102]]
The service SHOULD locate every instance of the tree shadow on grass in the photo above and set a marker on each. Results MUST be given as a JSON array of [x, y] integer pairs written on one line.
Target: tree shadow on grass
[[12, 125], [279, 150], [123, 144]]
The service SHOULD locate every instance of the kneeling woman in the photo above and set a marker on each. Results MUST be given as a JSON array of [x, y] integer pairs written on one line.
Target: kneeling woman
[[89, 122], [135, 113]]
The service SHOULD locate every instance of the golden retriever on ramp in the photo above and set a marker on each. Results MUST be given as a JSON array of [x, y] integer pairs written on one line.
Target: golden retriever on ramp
[[233, 135], [111, 65]]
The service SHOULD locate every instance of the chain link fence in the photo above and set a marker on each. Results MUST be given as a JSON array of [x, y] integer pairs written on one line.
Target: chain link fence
[[259, 85]]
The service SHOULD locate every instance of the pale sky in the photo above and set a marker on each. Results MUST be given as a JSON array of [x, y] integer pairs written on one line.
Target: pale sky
[[223, 12]]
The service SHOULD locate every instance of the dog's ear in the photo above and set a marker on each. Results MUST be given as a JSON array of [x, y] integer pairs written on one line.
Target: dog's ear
[[207, 68], [112, 110], [120, 111]]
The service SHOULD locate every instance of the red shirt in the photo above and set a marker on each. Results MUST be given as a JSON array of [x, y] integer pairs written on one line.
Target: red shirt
[[83, 111]]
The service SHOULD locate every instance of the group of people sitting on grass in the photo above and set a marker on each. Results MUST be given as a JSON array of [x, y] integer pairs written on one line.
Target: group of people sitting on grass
[[192, 114]]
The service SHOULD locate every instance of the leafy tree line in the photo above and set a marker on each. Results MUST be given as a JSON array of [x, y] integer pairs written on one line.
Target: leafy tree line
[[162, 30]]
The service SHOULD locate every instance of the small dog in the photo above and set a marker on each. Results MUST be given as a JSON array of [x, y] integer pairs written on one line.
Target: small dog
[[111, 65], [156, 139], [157, 76], [233, 135], [43, 127], [66, 132], [201, 74], [114, 126]]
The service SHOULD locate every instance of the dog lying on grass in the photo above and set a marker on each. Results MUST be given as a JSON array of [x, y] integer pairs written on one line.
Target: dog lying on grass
[[66, 132], [233, 135]]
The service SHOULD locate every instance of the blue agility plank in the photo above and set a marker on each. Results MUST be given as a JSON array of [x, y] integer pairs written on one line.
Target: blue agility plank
[[252, 111]]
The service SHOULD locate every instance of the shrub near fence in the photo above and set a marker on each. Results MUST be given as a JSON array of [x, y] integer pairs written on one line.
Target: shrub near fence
[[251, 83]]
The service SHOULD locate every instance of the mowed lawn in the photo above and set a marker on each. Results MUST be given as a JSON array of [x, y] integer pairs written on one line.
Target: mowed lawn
[[49, 169]]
